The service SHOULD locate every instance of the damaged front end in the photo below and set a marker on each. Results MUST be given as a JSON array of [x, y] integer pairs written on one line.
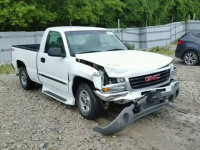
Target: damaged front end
[[143, 101], [150, 102]]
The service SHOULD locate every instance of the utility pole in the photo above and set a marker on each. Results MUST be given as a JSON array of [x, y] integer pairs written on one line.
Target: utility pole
[[70, 23], [147, 12], [171, 29], [146, 31], [118, 27], [189, 17], [194, 17], [188, 26]]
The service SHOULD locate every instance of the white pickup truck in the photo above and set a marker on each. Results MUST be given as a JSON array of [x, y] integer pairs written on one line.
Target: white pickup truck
[[92, 68]]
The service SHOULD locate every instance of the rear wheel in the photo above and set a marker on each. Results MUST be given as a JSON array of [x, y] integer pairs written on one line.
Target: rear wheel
[[88, 104], [190, 58], [25, 81]]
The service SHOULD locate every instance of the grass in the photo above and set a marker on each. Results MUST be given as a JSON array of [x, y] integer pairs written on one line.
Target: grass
[[161, 50], [6, 69], [175, 42]]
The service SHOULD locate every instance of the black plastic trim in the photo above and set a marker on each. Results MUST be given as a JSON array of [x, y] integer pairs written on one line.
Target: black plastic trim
[[52, 79], [55, 95], [30, 47]]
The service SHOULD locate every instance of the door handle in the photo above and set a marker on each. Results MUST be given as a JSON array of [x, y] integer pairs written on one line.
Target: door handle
[[42, 60]]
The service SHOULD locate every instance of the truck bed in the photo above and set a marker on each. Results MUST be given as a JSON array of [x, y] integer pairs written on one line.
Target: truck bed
[[31, 47], [26, 54]]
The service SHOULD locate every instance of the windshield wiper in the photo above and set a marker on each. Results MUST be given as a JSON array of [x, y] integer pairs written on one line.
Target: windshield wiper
[[114, 49], [90, 52], [102, 51]]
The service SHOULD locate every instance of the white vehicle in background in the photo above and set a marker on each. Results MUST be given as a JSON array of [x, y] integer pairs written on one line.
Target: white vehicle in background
[[92, 68]]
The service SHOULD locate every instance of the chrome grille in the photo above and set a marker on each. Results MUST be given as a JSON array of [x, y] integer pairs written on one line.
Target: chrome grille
[[139, 82]]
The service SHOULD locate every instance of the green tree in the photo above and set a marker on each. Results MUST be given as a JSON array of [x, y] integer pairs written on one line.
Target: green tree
[[158, 12], [79, 12], [112, 11], [20, 15], [183, 8], [40, 14]]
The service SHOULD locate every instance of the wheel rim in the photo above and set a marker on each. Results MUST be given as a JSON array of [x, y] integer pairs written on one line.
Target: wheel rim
[[84, 101], [23, 78], [190, 58]]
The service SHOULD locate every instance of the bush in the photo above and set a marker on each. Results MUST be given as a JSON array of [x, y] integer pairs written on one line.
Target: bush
[[161, 50], [132, 46]]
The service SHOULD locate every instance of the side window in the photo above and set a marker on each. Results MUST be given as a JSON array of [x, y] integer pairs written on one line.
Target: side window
[[54, 40]]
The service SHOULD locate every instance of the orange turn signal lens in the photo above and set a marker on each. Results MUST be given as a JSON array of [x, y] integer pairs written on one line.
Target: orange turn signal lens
[[106, 89]]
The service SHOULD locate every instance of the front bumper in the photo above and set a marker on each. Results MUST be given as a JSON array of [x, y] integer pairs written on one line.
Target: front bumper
[[167, 91], [151, 101]]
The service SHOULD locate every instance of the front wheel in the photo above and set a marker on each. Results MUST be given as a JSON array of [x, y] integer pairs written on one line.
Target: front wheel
[[190, 58], [88, 104], [25, 81]]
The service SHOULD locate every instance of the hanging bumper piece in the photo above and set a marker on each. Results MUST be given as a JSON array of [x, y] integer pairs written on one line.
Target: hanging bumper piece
[[150, 102]]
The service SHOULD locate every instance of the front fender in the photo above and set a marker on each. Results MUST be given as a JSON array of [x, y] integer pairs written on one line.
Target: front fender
[[84, 71]]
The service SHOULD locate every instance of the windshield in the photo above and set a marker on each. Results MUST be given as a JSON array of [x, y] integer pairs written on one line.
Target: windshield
[[92, 41]]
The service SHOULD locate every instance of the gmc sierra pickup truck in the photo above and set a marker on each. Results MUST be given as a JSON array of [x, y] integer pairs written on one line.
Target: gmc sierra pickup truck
[[92, 68]]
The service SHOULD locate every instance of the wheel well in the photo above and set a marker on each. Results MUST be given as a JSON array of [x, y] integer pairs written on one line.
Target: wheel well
[[20, 64], [193, 51], [77, 80]]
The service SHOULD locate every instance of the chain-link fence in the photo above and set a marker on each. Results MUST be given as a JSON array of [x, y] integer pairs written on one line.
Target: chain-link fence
[[193, 26], [144, 37], [152, 36], [7, 39]]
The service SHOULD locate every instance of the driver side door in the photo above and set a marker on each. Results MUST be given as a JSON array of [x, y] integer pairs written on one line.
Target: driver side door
[[53, 71]]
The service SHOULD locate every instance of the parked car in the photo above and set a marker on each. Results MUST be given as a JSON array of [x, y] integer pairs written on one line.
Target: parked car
[[92, 68], [188, 49]]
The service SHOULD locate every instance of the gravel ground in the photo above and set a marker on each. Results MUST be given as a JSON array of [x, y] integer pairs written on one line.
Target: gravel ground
[[30, 120]]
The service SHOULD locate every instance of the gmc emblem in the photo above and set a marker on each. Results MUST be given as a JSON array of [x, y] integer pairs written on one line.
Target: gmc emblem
[[151, 78]]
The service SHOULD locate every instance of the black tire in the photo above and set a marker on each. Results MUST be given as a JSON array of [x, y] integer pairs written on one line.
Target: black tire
[[94, 108], [191, 58], [25, 81]]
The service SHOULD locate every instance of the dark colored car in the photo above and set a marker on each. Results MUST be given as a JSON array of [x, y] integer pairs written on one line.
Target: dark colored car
[[188, 48]]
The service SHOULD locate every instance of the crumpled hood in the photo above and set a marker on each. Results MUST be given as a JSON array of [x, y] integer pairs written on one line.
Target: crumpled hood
[[127, 63]]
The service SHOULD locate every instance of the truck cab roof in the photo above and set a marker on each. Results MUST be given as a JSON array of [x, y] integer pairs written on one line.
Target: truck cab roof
[[74, 28]]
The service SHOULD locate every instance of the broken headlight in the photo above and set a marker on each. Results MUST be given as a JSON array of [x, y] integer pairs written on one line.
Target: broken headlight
[[112, 84], [109, 80], [116, 80]]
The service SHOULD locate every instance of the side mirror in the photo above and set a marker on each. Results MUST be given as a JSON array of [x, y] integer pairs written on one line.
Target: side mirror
[[56, 52]]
